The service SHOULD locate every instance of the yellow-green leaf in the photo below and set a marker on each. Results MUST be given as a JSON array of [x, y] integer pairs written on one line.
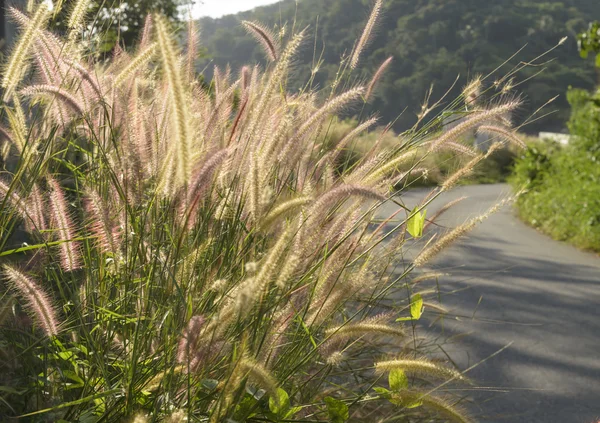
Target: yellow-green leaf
[[337, 410], [397, 380], [416, 223], [416, 307]]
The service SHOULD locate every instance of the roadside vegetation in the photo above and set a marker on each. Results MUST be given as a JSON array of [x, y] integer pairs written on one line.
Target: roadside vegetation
[[172, 250], [562, 183]]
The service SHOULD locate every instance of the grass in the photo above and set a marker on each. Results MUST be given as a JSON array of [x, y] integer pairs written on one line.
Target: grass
[[172, 252]]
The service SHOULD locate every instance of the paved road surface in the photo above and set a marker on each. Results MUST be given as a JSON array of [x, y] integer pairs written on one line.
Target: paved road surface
[[542, 295]]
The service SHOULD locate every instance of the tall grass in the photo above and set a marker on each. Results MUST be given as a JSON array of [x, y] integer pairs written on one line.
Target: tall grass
[[176, 253]]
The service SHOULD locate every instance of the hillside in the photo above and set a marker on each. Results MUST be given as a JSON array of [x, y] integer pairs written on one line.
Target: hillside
[[432, 41]]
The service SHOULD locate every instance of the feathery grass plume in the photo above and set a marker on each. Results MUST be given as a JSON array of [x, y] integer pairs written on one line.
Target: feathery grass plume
[[146, 32], [57, 92], [420, 366], [140, 60], [254, 187], [270, 264], [76, 18], [284, 208], [390, 166], [70, 256], [17, 62], [468, 168], [460, 148], [441, 406], [178, 416], [331, 107], [352, 135], [187, 344], [170, 62], [472, 122], [140, 418], [377, 76], [441, 211], [335, 358], [472, 91], [14, 199], [193, 40], [259, 375], [363, 328], [366, 35], [245, 77], [201, 180], [38, 301], [429, 253], [503, 133], [86, 75], [275, 82], [101, 225], [265, 37], [320, 207], [37, 204]]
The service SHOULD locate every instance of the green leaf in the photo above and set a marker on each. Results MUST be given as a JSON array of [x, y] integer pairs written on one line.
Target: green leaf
[[416, 222], [281, 404], [598, 60], [292, 412], [413, 404], [337, 410], [416, 307], [383, 392], [398, 380]]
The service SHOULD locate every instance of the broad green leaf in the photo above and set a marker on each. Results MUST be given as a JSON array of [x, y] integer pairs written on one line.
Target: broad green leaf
[[416, 307], [398, 380], [281, 404], [416, 222], [337, 410]]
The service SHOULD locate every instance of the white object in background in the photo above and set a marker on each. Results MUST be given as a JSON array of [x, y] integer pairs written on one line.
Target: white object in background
[[556, 137]]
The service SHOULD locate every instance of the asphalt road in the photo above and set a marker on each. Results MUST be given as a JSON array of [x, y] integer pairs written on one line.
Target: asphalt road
[[514, 285]]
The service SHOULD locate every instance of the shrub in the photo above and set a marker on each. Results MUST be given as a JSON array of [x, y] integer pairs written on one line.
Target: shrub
[[563, 183], [172, 252]]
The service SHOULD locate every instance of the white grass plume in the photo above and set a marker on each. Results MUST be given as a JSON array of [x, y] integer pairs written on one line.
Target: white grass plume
[[38, 301], [265, 37], [16, 64], [366, 35]]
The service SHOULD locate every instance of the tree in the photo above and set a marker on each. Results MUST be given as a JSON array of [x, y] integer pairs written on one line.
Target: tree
[[589, 42], [120, 21]]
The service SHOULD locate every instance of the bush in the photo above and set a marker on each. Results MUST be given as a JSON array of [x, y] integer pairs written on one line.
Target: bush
[[179, 253], [563, 183]]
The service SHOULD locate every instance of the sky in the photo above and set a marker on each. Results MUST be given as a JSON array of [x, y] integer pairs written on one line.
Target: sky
[[218, 8]]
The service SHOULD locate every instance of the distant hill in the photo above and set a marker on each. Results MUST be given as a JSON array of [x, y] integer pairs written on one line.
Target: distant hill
[[432, 41]]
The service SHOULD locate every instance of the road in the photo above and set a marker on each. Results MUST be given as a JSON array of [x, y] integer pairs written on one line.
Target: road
[[515, 285]]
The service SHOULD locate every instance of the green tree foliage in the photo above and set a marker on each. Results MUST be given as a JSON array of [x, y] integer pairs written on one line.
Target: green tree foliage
[[120, 21], [431, 41], [563, 196], [589, 42]]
